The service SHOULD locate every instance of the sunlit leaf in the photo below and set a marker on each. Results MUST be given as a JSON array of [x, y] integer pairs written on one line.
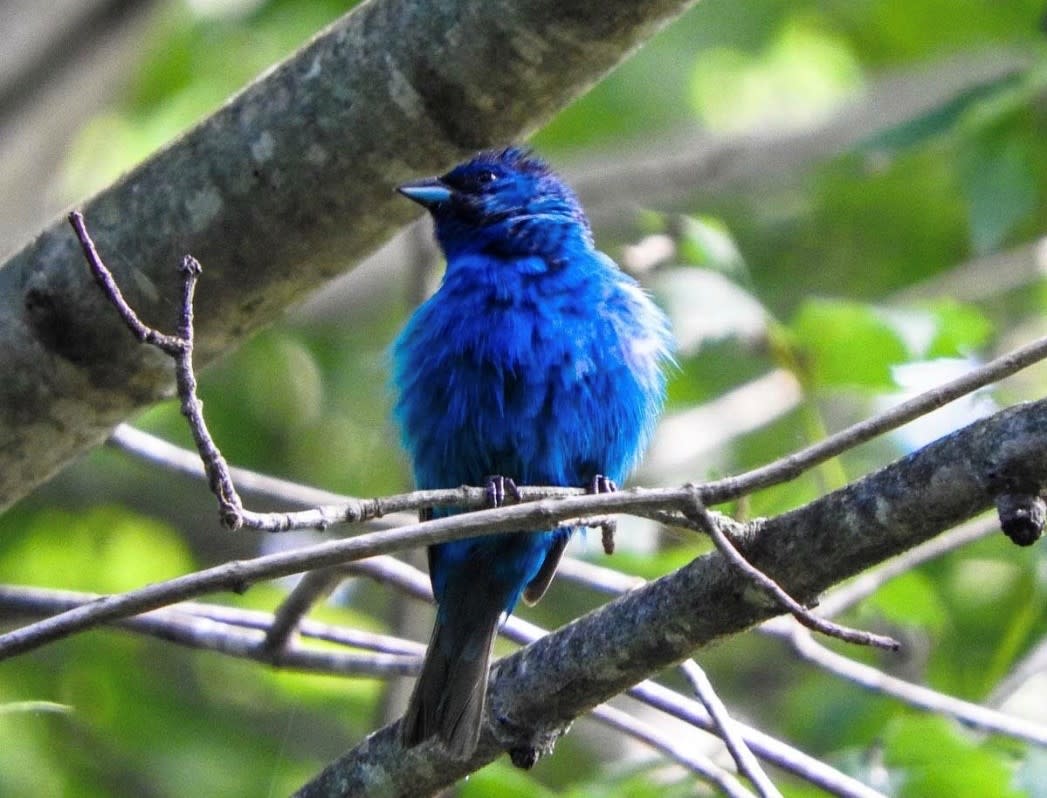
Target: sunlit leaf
[[847, 344], [101, 549], [1000, 188], [938, 759]]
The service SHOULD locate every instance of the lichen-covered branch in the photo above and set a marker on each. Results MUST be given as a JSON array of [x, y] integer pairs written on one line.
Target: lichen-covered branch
[[537, 692], [283, 187]]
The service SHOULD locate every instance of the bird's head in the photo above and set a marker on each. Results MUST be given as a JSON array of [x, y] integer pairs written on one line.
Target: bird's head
[[504, 202]]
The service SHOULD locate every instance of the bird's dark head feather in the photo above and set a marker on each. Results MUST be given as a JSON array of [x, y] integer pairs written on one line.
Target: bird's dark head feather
[[505, 201]]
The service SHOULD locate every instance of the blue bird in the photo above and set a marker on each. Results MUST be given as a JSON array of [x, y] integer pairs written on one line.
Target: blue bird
[[538, 361]]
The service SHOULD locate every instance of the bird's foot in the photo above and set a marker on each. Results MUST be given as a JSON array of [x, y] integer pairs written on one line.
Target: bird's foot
[[496, 489], [602, 484]]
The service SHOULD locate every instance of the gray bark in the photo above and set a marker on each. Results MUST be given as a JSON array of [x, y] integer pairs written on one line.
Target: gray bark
[[286, 185], [538, 691]]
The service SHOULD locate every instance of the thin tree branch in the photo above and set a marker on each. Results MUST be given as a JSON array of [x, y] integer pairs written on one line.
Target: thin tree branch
[[221, 630], [415, 584], [233, 514], [535, 692], [673, 749], [792, 466], [343, 509], [201, 628], [973, 715], [970, 465], [179, 460], [180, 349], [727, 729], [770, 749], [314, 587], [776, 592]]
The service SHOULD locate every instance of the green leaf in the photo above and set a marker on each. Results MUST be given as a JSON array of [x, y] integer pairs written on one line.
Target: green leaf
[[998, 181], [941, 119], [707, 242], [910, 600], [103, 549], [959, 329], [938, 759], [847, 344]]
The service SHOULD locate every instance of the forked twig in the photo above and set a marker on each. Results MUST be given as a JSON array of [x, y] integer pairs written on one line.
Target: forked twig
[[180, 349], [730, 552]]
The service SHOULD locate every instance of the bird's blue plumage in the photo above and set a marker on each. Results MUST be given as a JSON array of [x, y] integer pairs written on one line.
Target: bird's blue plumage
[[537, 359]]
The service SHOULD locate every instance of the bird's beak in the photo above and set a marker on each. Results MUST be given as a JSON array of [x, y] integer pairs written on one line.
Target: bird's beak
[[427, 192]]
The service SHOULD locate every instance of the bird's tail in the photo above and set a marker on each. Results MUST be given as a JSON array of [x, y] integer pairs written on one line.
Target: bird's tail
[[448, 699]]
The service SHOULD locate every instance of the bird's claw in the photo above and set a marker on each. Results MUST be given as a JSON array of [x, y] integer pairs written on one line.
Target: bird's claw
[[602, 484], [496, 489]]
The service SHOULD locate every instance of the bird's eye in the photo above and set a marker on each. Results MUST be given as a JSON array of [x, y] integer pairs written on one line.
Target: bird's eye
[[486, 177]]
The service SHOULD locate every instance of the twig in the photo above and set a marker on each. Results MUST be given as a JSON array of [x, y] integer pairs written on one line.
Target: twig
[[597, 578], [841, 598], [915, 695], [671, 748], [1019, 425], [221, 629], [414, 583], [312, 588], [180, 349], [238, 575], [727, 548], [793, 465], [199, 628], [727, 730], [327, 508], [314, 630], [168, 344], [770, 749], [710, 493], [163, 454], [782, 470]]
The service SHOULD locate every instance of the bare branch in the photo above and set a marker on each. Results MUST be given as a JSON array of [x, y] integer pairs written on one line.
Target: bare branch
[[973, 715], [232, 632], [790, 467], [727, 729], [414, 583], [661, 741], [970, 466], [312, 588], [773, 589], [537, 690], [361, 105], [766, 747]]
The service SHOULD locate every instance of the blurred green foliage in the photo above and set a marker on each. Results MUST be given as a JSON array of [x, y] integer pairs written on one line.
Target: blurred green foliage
[[816, 258]]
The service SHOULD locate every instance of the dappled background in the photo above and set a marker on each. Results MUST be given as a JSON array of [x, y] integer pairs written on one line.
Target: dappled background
[[838, 203]]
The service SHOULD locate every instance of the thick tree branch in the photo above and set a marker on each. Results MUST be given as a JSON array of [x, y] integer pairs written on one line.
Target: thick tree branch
[[395, 88], [536, 692], [830, 539]]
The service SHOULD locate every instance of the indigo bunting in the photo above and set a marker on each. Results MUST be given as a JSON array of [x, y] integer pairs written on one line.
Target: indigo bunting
[[538, 361]]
